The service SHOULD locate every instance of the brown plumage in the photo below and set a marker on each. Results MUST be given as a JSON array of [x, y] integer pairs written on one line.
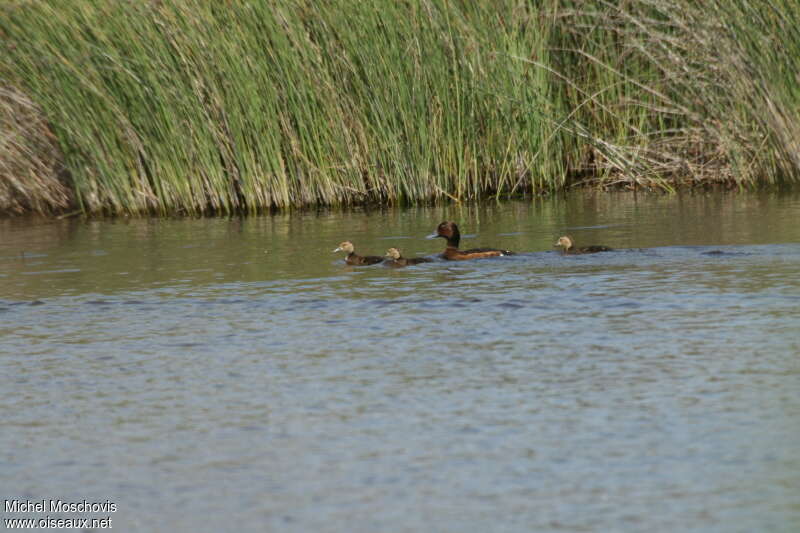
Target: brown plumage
[[354, 259], [449, 231], [397, 260], [568, 247]]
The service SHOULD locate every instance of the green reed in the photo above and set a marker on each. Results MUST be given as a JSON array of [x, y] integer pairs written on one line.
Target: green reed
[[173, 106]]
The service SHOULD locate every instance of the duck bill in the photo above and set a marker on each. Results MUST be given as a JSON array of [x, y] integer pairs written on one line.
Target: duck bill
[[433, 236], [337, 250]]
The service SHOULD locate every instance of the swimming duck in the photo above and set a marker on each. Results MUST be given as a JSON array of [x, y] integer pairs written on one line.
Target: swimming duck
[[568, 246], [449, 231], [397, 260], [354, 259]]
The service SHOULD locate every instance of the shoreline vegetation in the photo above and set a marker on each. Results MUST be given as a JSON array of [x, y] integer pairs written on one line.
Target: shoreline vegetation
[[188, 106]]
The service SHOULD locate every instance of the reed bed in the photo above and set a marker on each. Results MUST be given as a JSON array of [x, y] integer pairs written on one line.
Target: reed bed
[[691, 92], [189, 106]]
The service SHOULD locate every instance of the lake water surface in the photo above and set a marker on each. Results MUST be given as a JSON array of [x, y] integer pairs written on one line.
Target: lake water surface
[[234, 375]]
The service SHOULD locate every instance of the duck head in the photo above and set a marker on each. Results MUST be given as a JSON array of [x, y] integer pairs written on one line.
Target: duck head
[[447, 230], [564, 242], [345, 246], [393, 253]]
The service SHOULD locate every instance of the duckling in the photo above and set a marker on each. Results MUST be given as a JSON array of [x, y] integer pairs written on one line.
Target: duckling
[[449, 231], [569, 248], [397, 260], [354, 259]]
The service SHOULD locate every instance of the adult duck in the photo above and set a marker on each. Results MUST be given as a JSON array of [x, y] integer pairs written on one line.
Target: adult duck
[[449, 232]]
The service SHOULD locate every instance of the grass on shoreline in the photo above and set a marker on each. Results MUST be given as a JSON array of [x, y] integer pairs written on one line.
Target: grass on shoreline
[[187, 106]]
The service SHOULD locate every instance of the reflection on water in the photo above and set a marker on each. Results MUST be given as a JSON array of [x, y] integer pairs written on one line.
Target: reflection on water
[[233, 373]]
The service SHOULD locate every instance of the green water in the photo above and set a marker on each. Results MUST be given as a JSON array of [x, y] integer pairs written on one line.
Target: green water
[[234, 374]]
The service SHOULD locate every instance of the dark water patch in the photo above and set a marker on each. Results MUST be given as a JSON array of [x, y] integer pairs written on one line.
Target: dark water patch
[[23, 302], [704, 250], [462, 303], [645, 251], [725, 253], [624, 305], [184, 344], [388, 302], [510, 305], [310, 301]]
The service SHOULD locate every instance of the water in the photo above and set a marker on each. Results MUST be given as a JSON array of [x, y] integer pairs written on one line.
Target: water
[[219, 375]]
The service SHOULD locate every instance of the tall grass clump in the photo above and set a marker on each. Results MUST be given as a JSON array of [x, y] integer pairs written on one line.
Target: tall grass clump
[[191, 105]]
